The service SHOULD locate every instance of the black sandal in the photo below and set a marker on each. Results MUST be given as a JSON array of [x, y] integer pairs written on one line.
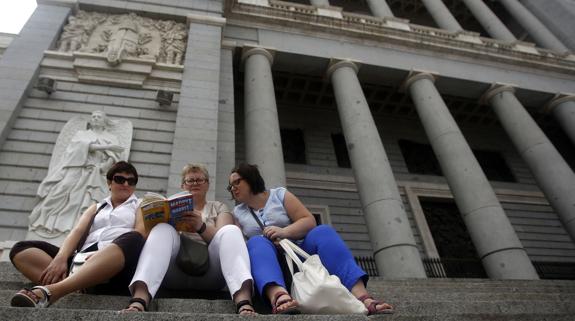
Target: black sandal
[[136, 300], [247, 307]]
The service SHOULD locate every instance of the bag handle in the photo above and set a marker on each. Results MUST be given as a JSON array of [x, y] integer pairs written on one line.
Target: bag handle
[[290, 250]]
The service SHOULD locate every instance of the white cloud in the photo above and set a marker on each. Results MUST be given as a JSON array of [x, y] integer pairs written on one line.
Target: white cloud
[[14, 14]]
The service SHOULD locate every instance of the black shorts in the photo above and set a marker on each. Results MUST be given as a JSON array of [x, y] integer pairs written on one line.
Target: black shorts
[[130, 243]]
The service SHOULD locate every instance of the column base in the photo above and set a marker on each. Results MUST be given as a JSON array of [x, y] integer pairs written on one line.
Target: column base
[[400, 262], [512, 264]]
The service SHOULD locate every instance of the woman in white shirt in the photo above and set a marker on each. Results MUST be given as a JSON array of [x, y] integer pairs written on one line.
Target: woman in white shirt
[[111, 228], [213, 224]]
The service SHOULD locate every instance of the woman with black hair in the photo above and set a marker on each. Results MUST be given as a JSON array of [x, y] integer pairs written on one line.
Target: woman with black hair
[[282, 215], [111, 228]]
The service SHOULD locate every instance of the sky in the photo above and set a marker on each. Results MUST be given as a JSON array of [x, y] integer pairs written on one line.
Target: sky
[[14, 14]]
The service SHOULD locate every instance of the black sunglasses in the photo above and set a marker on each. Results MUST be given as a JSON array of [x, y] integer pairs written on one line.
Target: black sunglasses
[[121, 180]]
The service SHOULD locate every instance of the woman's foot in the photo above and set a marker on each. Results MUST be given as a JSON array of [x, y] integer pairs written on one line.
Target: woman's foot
[[283, 303], [37, 297], [375, 307], [245, 307], [136, 305]]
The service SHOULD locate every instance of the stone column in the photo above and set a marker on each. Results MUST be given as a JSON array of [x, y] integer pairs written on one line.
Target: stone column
[[196, 133], [534, 27], [320, 3], [563, 109], [20, 62], [550, 170], [394, 246], [494, 238], [262, 129], [441, 15], [379, 8], [489, 20]]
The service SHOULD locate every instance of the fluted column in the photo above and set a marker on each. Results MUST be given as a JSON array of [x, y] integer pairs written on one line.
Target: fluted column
[[490, 22], [494, 238], [394, 246], [320, 3], [263, 140], [563, 109], [441, 15], [534, 27], [379, 8], [550, 170]]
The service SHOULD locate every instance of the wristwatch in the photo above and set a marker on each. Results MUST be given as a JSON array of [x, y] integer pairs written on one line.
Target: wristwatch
[[202, 228]]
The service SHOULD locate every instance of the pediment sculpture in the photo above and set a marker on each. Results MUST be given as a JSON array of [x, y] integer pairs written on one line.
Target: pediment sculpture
[[118, 36], [84, 151]]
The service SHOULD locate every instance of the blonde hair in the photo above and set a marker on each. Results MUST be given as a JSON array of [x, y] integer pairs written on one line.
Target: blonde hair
[[191, 167]]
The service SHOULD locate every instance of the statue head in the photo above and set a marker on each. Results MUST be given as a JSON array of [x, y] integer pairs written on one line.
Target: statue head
[[99, 119]]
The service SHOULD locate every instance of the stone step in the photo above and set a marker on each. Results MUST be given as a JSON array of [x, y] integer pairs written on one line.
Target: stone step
[[54, 314], [403, 307]]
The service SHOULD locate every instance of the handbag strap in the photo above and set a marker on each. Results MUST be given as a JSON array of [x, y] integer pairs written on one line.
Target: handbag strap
[[257, 219], [85, 236]]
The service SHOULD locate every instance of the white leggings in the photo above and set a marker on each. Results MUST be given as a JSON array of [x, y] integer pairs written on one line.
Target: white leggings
[[228, 255]]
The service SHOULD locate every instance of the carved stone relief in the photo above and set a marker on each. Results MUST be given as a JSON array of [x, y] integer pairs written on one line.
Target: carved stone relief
[[119, 36]]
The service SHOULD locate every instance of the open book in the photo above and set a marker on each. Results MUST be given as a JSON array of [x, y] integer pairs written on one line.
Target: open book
[[157, 208]]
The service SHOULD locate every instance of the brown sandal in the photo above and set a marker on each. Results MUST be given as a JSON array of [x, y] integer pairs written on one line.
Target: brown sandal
[[131, 306], [245, 306], [27, 298], [372, 307], [277, 303]]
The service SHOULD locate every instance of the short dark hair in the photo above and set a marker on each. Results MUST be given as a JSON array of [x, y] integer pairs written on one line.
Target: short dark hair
[[252, 176], [121, 167]]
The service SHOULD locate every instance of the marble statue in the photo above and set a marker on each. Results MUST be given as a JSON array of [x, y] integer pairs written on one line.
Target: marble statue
[[84, 151]]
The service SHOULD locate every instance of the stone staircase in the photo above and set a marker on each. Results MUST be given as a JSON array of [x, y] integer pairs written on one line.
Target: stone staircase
[[431, 299]]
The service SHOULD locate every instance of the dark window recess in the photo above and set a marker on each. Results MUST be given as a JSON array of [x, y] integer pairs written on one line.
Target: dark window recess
[[452, 238], [340, 149], [317, 218], [420, 159], [293, 146], [494, 166]]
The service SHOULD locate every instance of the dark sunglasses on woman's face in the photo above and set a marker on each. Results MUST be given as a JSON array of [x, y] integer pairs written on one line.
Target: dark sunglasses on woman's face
[[121, 180]]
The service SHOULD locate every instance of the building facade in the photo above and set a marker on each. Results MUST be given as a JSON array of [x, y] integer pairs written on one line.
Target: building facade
[[420, 129]]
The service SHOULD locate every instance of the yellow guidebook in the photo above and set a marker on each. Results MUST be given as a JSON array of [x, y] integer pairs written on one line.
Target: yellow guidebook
[[157, 208]]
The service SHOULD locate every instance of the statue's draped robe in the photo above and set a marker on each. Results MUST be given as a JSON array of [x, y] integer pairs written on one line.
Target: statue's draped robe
[[76, 182]]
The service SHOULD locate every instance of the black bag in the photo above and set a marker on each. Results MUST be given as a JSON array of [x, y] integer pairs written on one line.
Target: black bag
[[192, 258]]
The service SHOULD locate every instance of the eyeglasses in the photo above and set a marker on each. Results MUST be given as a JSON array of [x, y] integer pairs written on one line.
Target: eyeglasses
[[197, 181], [234, 184], [121, 180]]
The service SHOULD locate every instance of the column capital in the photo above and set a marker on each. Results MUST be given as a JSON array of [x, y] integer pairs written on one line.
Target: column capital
[[557, 100], [415, 75], [204, 19], [59, 3], [495, 89], [254, 50], [336, 63]]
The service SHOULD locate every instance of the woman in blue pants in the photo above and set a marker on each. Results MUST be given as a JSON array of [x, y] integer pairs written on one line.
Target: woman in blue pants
[[267, 216]]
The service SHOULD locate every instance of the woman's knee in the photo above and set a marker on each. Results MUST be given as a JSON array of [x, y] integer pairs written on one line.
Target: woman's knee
[[162, 230], [322, 231], [18, 248], [258, 241], [22, 246], [228, 230]]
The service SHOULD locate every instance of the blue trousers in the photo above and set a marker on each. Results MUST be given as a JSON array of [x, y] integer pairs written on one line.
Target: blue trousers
[[322, 240]]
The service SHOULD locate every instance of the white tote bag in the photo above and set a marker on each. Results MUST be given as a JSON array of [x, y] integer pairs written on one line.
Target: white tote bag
[[316, 291]]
